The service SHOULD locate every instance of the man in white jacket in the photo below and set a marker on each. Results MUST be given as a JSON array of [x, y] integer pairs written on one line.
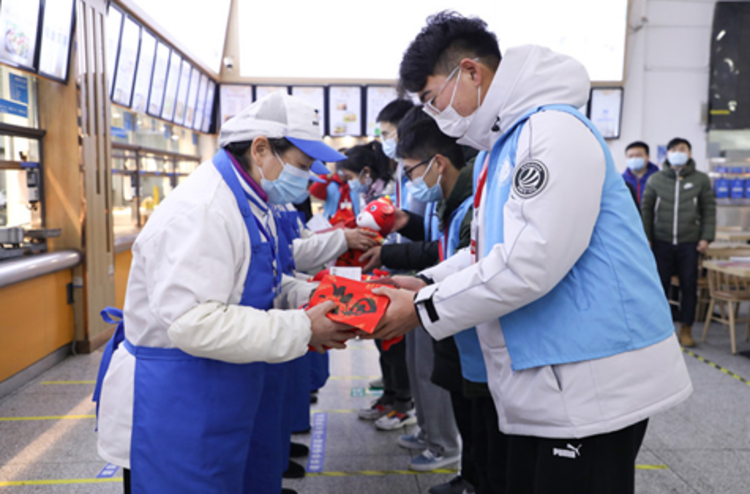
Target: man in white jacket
[[559, 280]]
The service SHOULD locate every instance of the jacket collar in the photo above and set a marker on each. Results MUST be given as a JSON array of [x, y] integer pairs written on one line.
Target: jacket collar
[[461, 191]]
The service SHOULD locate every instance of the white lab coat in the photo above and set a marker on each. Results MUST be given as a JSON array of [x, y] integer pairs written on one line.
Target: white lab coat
[[187, 277]]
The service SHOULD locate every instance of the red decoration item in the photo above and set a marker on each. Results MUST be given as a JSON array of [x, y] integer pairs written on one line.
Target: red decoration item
[[377, 276], [356, 305], [379, 216]]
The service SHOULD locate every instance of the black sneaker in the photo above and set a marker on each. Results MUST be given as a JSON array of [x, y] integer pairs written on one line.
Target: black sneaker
[[294, 471], [298, 450], [457, 485], [286, 490]]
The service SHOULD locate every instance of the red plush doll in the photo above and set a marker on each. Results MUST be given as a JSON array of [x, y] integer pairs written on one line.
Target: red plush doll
[[378, 216]]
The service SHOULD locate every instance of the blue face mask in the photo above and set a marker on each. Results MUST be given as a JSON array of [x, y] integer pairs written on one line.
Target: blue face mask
[[389, 148], [636, 164], [677, 158], [421, 192], [356, 186], [291, 186]]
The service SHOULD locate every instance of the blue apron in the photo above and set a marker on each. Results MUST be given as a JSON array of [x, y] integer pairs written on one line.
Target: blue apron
[[193, 418]]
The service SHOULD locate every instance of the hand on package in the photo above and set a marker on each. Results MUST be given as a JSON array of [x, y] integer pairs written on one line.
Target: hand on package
[[360, 239], [372, 258], [325, 332], [409, 282], [400, 317], [402, 218]]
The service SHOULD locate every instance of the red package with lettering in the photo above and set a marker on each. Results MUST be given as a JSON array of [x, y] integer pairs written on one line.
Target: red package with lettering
[[356, 305]]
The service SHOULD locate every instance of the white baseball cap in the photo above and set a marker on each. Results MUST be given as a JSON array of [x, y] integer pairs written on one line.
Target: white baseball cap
[[281, 115]]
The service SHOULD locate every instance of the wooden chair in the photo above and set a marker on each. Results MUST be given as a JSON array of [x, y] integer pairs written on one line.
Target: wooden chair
[[730, 290]]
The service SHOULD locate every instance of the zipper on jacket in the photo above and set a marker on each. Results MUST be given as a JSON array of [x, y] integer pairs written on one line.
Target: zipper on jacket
[[656, 210], [676, 207]]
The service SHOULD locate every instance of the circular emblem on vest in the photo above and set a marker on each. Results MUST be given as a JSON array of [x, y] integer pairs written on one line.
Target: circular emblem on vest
[[530, 178]]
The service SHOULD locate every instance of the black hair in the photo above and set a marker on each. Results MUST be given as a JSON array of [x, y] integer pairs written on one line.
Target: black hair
[[413, 116], [639, 144], [423, 139], [369, 155], [394, 111], [447, 39], [239, 149], [677, 141]]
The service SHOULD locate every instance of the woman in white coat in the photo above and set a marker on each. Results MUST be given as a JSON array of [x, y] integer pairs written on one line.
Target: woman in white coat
[[178, 401]]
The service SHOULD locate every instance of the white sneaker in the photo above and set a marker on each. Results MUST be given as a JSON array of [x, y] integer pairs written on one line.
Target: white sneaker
[[395, 420], [412, 441], [430, 460], [374, 411]]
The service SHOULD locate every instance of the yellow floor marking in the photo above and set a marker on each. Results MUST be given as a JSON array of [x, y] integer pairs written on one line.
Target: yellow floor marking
[[59, 481], [716, 366], [68, 382], [48, 417]]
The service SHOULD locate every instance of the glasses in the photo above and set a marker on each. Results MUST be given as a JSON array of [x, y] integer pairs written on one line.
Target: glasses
[[409, 171], [429, 107]]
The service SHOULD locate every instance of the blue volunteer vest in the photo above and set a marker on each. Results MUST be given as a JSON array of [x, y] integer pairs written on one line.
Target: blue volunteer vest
[[610, 302]]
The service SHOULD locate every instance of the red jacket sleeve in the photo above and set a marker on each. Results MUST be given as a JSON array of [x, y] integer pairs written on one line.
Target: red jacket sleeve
[[320, 190]]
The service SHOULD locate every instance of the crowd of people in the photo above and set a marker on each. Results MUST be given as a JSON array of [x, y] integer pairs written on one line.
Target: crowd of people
[[521, 361]]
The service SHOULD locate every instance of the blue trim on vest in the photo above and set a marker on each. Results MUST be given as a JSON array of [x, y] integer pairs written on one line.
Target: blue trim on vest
[[610, 302]]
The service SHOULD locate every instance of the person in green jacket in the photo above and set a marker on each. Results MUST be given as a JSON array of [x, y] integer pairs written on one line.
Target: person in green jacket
[[679, 216]]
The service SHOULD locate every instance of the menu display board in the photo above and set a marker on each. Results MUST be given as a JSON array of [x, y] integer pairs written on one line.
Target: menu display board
[[126, 62], [114, 28], [200, 108], [208, 115], [143, 71], [182, 93], [158, 79], [315, 96], [19, 21], [345, 110], [192, 102], [605, 109], [234, 99], [377, 98], [173, 82], [263, 91], [57, 31]]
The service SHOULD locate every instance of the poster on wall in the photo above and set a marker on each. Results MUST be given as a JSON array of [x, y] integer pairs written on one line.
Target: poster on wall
[[57, 31], [208, 115], [263, 91], [377, 98], [233, 99], [143, 71], [158, 79], [605, 109], [126, 62], [19, 20], [200, 107], [182, 93], [345, 111], [195, 78], [315, 96], [114, 28], [173, 83]]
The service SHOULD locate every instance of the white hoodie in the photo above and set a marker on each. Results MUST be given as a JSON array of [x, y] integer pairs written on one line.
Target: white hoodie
[[543, 239]]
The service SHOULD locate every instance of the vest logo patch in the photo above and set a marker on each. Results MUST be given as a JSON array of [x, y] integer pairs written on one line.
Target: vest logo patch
[[530, 179]]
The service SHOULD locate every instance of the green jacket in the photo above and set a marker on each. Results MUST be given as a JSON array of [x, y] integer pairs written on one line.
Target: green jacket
[[679, 211]]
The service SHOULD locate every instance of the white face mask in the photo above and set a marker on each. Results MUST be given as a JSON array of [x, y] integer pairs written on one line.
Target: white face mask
[[450, 122], [389, 148]]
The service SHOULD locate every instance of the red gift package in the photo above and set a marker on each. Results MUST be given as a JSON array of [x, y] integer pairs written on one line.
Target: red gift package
[[356, 305]]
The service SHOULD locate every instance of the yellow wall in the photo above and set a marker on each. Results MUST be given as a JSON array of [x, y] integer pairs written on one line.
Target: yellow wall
[[36, 320], [122, 271]]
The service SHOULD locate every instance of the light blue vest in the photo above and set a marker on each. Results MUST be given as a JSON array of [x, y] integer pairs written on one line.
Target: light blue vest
[[467, 342], [610, 302]]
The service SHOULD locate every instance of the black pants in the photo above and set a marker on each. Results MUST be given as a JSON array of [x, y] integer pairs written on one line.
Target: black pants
[[462, 412], [396, 388], [126, 480], [680, 260], [490, 448], [602, 464]]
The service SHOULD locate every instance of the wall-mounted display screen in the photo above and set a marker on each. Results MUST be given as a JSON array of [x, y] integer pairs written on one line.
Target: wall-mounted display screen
[[126, 62], [605, 109], [315, 96], [19, 21], [233, 99], [192, 102], [207, 117], [377, 98], [263, 91], [173, 83], [345, 111], [114, 28], [143, 72], [159, 79], [57, 30], [182, 93], [200, 108]]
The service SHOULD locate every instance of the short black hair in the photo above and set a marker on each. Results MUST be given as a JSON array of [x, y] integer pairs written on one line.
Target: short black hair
[[639, 144], [394, 111], [239, 148], [413, 116], [677, 141], [447, 39], [369, 155], [423, 139]]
